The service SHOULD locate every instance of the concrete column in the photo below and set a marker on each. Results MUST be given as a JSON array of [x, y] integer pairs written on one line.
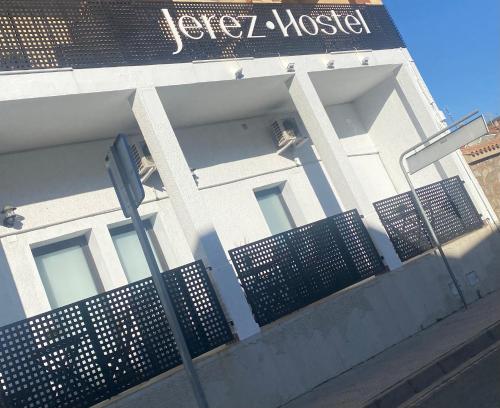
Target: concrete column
[[349, 190], [11, 306], [189, 207], [105, 257]]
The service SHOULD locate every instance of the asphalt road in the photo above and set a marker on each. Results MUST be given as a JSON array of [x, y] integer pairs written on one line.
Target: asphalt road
[[477, 386]]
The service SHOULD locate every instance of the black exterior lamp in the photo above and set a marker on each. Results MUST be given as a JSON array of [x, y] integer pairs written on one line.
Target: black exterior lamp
[[9, 216]]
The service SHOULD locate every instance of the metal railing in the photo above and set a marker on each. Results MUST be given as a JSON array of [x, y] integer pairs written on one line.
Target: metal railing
[[446, 203], [88, 351], [288, 271]]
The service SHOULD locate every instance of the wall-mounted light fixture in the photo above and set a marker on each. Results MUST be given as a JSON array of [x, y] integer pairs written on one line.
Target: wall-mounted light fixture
[[330, 64], [238, 74], [365, 61], [9, 216], [290, 67]]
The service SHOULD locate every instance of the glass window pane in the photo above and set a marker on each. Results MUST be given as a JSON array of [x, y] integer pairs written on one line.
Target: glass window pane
[[130, 252], [65, 272], [274, 209]]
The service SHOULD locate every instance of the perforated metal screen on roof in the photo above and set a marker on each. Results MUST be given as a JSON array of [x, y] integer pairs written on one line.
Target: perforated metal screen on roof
[[99, 33], [88, 351]]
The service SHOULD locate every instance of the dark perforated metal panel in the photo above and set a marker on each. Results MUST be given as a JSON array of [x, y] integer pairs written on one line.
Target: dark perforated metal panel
[[285, 272], [97, 33], [86, 352], [446, 203]]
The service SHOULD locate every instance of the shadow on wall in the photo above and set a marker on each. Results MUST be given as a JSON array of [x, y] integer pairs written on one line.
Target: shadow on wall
[[474, 258], [11, 308], [213, 144], [210, 250], [383, 92], [378, 236], [321, 186], [233, 141], [52, 173]]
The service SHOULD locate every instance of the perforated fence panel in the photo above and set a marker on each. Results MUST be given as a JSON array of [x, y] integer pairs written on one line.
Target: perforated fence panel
[[96, 33], [86, 352], [287, 271], [446, 203]]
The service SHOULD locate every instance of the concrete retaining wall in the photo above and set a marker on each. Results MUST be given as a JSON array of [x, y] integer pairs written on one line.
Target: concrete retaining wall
[[319, 342]]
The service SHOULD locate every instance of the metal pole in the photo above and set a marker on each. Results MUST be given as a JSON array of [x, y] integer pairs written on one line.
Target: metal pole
[[166, 301], [434, 238], [170, 311], [420, 208]]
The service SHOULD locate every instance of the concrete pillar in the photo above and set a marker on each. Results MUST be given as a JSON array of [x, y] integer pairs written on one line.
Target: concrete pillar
[[105, 257], [336, 162], [189, 207], [11, 306]]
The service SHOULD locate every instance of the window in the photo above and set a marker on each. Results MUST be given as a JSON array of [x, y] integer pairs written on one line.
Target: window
[[130, 251], [275, 211], [67, 271]]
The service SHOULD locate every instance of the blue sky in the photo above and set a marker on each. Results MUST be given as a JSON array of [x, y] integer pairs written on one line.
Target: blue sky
[[456, 45]]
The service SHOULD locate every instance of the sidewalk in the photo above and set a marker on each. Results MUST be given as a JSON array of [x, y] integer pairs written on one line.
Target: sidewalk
[[364, 382]]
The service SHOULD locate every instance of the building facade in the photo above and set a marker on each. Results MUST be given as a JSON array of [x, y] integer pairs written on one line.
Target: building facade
[[199, 89]]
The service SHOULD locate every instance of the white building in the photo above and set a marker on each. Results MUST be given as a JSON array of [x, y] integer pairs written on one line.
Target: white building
[[206, 116], [248, 119], [221, 180]]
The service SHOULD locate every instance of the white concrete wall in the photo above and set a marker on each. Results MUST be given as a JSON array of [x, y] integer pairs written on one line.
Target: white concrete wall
[[64, 192], [350, 129], [24, 273], [378, 110], [229, 151], [67, 185], [363, 153], [298, 352], [55, 184], [233, 159], [237, 215]]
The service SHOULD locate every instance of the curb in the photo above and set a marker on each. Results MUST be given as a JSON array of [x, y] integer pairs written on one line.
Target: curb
[[443, 365]]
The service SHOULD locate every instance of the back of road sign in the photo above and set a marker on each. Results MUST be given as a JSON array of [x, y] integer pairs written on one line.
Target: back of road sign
[[447, 144], [125, 175]]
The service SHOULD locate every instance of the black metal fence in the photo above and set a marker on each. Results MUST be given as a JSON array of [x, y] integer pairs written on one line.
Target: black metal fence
[[287, 271], [88, 351], [446, 203], [99, 33]]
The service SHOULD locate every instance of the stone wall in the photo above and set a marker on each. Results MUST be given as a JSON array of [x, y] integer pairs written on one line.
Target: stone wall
[[487, 173]]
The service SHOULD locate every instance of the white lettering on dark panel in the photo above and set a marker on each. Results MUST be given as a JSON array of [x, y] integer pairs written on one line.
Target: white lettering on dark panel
[[244, 26]]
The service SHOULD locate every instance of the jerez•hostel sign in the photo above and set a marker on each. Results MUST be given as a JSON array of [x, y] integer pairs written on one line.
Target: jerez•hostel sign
[[101, 33], [233, 26]]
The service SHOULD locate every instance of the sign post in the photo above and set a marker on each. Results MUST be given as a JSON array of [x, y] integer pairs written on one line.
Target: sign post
[[462, 134], [125, 177]]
